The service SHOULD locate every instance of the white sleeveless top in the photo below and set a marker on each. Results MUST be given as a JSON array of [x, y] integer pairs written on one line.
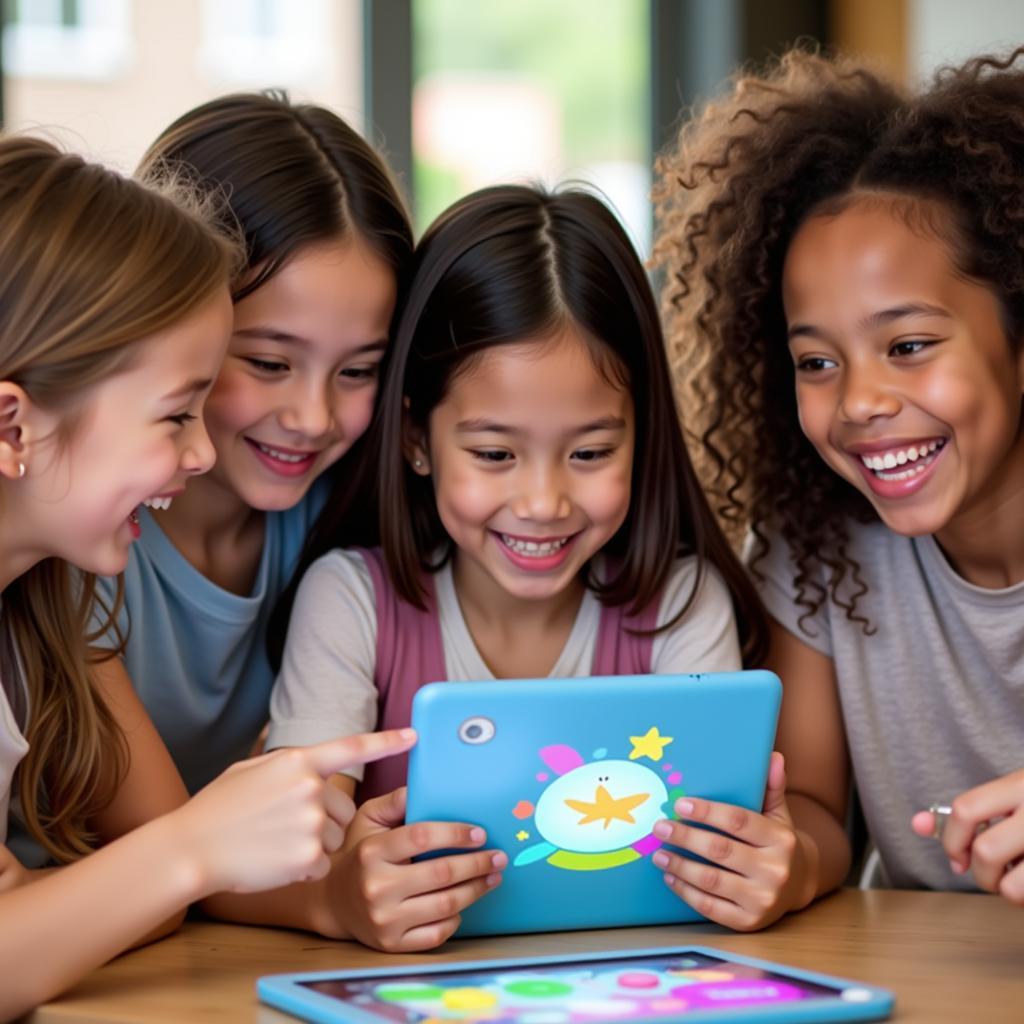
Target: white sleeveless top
[[13, 745]]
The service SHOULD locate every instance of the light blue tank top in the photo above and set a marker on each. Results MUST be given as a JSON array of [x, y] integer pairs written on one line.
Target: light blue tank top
[[196, 653]]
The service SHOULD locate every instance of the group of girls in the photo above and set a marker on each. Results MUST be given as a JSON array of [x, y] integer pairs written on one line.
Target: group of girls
[[248, 433]]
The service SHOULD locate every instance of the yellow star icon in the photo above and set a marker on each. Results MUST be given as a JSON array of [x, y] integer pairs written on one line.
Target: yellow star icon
[[651, 745], [522, 836], [607, 807]]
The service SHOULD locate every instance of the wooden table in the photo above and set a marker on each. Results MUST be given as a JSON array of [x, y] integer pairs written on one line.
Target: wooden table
[[948, 957]]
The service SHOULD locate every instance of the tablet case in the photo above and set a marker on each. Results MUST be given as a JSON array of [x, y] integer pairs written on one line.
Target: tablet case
[[568, 777]]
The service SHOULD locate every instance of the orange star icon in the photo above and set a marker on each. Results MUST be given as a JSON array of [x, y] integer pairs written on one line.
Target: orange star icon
[[607, 807]]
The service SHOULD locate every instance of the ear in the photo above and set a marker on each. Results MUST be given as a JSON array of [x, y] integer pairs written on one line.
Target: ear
[[15, 407], [414, 444]]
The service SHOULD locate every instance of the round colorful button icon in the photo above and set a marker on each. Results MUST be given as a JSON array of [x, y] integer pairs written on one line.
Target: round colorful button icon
[[538, 988]]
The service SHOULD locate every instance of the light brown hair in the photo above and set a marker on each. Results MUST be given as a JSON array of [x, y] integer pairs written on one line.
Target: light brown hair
[[91, 264]]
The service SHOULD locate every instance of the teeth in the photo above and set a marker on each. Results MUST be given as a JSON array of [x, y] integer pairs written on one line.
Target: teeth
[[282, 456], [531, 548], [160, 503], [890, 460]]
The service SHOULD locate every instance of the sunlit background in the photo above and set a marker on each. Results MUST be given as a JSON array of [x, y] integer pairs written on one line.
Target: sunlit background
[[459, 93]]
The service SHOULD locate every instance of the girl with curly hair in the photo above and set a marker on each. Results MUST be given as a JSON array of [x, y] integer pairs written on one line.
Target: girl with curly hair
[[845, 301]]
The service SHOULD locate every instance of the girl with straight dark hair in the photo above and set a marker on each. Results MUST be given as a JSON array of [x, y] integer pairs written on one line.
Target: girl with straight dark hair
[[327, 245], [538, 516]]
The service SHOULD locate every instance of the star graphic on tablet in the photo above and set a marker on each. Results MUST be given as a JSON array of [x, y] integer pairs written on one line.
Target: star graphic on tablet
[[607, 807], [652, 744]]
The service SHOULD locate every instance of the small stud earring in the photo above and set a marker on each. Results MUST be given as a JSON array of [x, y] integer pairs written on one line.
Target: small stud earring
[[21, 470], [418, 463]]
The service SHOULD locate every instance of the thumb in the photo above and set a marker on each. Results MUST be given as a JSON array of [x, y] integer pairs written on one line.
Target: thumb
[[775, 792], [336, 755], [387, 811]]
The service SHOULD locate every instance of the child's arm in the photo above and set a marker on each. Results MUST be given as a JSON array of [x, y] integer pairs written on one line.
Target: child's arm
[[152, 785], [767, 864], [373, 893], [263, 823], [813, 739], [985, 833]]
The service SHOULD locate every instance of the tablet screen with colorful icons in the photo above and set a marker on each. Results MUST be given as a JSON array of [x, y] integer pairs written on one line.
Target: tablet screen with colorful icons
[[690, 984]]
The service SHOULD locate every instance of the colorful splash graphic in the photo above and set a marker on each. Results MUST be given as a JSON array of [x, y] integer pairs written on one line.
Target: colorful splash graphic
[[561, 996], [598, 814]]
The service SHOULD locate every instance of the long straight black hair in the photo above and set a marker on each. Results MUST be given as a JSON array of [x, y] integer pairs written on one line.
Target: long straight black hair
[[500, 266]]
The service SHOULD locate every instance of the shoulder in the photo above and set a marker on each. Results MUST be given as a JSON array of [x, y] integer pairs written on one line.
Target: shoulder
[[339, 571], [712, 594]]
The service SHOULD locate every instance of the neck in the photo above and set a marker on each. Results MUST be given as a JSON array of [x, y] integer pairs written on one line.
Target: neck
[[484, 601], [209, 513], [19, 551], [985, 542]]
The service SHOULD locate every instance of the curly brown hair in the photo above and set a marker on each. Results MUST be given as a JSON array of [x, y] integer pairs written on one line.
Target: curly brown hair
[[809, 136]]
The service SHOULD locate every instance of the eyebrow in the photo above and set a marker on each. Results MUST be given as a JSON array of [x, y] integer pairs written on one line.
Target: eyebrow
[[194, 386], [481, 426], [286, 337], [876, 320]]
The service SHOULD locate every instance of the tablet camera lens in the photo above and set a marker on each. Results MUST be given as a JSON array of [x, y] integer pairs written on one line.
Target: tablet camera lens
[[476, 730]]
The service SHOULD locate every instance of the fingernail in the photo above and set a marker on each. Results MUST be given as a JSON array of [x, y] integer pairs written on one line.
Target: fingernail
[[661, 859], [493, 880], [663, 829], [499, 860], [407, 734], [477, 835], [684, 807], [956, 867], [670, 880]]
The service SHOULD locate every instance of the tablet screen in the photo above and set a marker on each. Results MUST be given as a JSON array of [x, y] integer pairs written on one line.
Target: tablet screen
[[626, 988]]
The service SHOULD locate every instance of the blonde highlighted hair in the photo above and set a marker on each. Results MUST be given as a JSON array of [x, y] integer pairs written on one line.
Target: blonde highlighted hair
[[91, 263]]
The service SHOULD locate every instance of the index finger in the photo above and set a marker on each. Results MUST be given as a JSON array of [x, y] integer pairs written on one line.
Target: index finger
[[747, 826], [410, 841], [334, 756], [977, 807]]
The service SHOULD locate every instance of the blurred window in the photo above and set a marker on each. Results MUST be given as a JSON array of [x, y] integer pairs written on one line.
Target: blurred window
[[265, 41], [84, 39], [520, 90]]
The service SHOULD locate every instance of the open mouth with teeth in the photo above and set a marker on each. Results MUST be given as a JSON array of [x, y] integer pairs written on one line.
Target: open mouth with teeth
[[283, 461], [903, 463], [534, 548], [161, 503]]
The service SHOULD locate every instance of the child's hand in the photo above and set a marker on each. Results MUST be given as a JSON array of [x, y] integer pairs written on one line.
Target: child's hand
[[273, 820], [758, 870], [395, 905], [993, 852], [12, 874]]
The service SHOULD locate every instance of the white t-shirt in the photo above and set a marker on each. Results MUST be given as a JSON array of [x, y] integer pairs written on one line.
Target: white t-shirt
[[326, 684]]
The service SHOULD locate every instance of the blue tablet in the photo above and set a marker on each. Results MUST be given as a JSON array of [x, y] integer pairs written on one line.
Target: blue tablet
[[686, 983], [568, 777]]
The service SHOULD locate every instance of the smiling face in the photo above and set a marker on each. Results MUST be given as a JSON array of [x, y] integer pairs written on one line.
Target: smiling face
[[906, 383], [139, 435], [531, 454], [298, 385]]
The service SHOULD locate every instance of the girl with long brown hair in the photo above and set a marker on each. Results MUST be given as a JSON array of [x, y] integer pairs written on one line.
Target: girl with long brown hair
[[845, 304], [114, 318], [327, 242], [536, 515]]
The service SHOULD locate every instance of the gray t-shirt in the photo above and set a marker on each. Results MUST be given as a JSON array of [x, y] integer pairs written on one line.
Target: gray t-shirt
[[933, 701], [325, 687]]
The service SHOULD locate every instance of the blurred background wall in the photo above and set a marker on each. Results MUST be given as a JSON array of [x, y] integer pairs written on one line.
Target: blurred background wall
[[459, 93]]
